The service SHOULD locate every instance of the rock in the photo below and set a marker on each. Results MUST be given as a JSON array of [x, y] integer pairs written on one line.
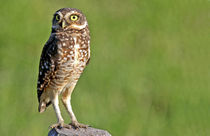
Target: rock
[[78, 132]]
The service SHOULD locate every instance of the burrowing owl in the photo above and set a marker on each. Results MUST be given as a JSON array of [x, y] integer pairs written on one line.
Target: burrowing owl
[[63, 60]]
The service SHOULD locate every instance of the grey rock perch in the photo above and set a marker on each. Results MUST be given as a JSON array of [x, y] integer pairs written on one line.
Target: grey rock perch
[[78, 132]]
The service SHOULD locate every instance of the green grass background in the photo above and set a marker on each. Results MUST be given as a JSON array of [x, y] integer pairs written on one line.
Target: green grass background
[[149, 73]]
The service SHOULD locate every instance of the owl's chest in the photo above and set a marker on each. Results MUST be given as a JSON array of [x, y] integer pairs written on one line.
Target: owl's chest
[[73, 51]]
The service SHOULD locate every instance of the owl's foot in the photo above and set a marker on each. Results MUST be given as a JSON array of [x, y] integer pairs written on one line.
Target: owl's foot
[[60, 125], [76, 125]]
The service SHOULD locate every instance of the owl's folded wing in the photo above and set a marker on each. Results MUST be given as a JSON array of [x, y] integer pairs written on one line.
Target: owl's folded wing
[[47, 67]]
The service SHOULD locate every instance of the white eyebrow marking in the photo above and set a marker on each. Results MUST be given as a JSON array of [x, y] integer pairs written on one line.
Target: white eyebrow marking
[[67, 14], [59, 13]]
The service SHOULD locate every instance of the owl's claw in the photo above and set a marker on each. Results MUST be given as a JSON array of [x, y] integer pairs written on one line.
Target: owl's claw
[[60, 125], [76, 125]]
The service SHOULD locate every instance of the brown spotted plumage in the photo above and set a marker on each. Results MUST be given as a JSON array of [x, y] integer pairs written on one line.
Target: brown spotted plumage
[[63, 60]]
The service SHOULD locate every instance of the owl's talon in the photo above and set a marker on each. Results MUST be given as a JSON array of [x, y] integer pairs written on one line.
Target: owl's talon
[[56, 125], [60, 125], [78, 125]]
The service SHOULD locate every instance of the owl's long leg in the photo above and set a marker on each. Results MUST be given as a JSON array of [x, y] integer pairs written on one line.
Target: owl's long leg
[[66, 99], [60, 121], [57, 109]]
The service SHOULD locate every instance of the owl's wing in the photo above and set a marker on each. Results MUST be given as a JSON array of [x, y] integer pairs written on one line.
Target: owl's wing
[[46, 66]]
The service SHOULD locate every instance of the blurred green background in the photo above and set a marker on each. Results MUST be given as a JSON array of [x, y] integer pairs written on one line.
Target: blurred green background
[[149, 73]]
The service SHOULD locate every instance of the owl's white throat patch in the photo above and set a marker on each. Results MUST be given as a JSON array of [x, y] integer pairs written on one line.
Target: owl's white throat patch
[[76, 48], [80, 26]]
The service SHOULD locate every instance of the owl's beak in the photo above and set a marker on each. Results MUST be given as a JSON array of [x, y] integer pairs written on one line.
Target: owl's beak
[[64, 24]]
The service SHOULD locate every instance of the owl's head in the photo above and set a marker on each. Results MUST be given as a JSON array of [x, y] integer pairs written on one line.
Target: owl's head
[[68, 18]]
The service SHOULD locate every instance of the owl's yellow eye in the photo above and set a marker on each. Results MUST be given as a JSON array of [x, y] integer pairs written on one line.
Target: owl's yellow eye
[[57, 17], [74, 17]]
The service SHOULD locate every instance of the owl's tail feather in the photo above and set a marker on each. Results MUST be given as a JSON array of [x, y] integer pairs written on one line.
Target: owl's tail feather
[[42, 107]]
